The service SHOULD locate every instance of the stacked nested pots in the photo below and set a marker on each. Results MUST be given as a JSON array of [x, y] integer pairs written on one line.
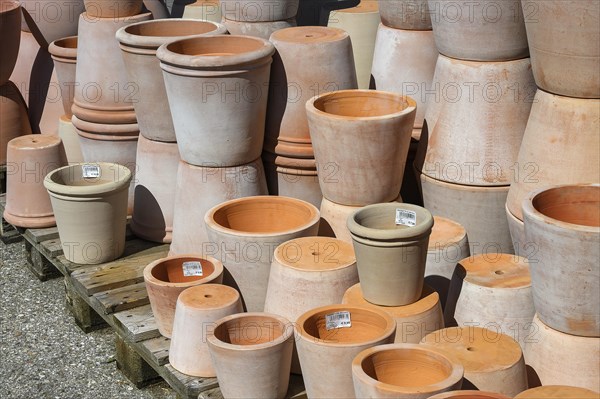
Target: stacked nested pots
[[258, 18]]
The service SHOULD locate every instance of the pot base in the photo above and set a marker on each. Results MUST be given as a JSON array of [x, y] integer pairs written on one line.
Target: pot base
[[29, 222]]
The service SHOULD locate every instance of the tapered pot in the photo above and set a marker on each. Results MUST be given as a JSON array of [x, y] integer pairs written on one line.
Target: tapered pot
[[10, 32], [262, 30], [14, 120], [469, 394], [112, 8], [259, 11], [556, 392], [405, 14], [49, 21], [64, 55], [70, 138], [166, 278], [297, 178], [205, 10]]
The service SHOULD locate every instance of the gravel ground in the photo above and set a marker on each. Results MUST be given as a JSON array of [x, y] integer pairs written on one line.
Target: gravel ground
[[43, 354]]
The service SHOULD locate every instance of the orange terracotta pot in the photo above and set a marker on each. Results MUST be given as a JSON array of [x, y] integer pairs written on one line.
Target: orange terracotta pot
[[10, 32]]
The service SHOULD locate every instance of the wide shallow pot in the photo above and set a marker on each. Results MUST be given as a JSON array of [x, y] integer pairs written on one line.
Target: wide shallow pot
[[90, 206], [407, 371], [373, 126], [166, 278], [259, 11], [14, 120], [557, 392], [252, 354], [390, 241], [70, 138], [10, 32], [405, 14], [263, 30], [564, 223], [139, 43], [51, 20], [244, 233], [197, 310], [469, 394], [64, 54], [328, 338], [297, 178], [112, 8], [205, 10]]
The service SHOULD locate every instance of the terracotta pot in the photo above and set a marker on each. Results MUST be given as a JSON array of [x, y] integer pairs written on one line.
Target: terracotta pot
[[404, 63], [482, 31], [556, 358], [139, 43], [49, 21], [561, 37], [263, 30], [405, 14], [566, 292], [326, 350], [477, 105], [361, 23], [99, 237], [10, 32], [70, 138], [390, 251], [112, 8], [13, 117], [259, 11], [297, 178], [373, 126], [244, 233], [251, 353], [155, 185], [492, 361], [198, 189], [471, 394], [64, 54], [408, 371], [413, 321], [213, 127], [205, 10], [29, 159], [557, 392], [166, 278]]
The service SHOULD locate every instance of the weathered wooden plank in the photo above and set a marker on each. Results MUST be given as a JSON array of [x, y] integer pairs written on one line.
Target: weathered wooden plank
[[121, 298], [136, 324], [50, 248], [85, 317], [36, 236], [132, 365], [185, 385], [157, 349]]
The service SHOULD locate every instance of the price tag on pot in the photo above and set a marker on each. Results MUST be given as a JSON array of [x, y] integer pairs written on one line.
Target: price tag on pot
[[405, 217], [192, 269], [90, 171], [338, 320]]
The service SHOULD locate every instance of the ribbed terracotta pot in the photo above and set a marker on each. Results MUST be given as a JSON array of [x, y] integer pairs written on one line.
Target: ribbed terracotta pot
[[205, 10], [405, 14], [197, 310], [326, 348], [263, 30], [99, 237], [112, 8], [484, 31], [297, 178], [244, 233], [564, 224], [407, 371], [259, 11], [370, 125], [391, 251], [469, 394], [139, 43], [70, 138], [557, 392], [252, 353], [563, 36], [49, 21], [64, 55], [14, 120], [166, 278], [10, 32]]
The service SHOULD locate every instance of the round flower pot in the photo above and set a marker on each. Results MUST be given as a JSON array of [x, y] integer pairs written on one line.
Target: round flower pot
[[197, 310], [373, 126], [98, 191], [562, 36], [166, 278], [390, 242], [492, 361], [471, 394], [297, 178], [49, 21], [205, 10], [326, 349], [64, 54], [244, 233], [139, 43], [407, 371], [259, 11], [112, 8], [252, 353], [70, 138], [557, 392], [14, 120], [263, 30], [482, 31], [217, 88], [10, 32], [564, 224], [405, 14]]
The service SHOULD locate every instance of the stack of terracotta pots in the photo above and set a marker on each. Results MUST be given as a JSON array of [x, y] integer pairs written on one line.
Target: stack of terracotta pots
[[483, 89], [258, 18]]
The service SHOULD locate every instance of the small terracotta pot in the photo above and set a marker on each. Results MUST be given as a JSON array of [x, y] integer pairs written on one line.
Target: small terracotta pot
[[205, 10], [297, 178], [49, 21], [557, 392], [259, 11], [197, 310], [252, 353], [469, 395], [407, 371], [166, 278], [99, 237], [564, 224], [70, 138], [10, 32], [112, 8], [14, 120], [390, 254], [244, 233], [263, 30], [370, 125], [405, 14], [64, 54]]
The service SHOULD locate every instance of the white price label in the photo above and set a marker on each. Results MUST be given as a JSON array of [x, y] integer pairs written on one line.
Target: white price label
[[405, 217], [192, 269], [90, 171], [338, 320]]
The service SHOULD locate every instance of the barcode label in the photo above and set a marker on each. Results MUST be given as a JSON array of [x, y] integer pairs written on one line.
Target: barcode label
[[90, 171], [338, 320], [192, 269], [405, 217]]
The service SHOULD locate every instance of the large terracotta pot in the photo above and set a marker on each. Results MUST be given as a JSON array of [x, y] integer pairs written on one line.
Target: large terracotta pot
[[205, 10], [259, 11], [64, 55], [373, 126], [297, 178], [10, 32], [70, 138], [13, 117], [564, 224], [263, 30], [557, 392], [51, 20], [405, 14], [112, 8], [469, 394]]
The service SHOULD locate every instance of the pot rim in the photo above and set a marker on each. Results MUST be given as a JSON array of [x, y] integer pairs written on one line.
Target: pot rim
[[10, 6], [468, 394], [337, 35], [124, 176], [277, 254], [61, 52], [218, 270]]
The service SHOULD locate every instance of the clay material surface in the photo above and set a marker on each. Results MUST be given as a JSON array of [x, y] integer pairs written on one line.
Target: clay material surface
[[405, 14], [70, 139], [259, 11], [205, 10], [10, 32], [112, 8], [49, 21], [558, 392], [64, 55], [13, 117], [469, 394], [263, 30], [297, 178]]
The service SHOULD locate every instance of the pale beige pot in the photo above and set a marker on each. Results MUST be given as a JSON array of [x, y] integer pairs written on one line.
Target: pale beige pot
[[390, 256], [10, 32], [197, 310], [562, 37], [51, 20], [487, 30], [91, 213], [259, 11], [564, 224], [405, 14], [204, 10], [492, 361], [558, 392], [469, 394], [326, 354], [200, 188], [112, 8], [64, 55], [407, 371], [297, 178], [14, 120], [70, 138], [557, 358], [244, 233], [373, 126], [139, 43], [263, 30], [166, 278], [252, 353]]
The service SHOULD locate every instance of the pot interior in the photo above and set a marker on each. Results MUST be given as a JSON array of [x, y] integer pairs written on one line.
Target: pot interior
[[571, 204], [72, 176], [383, 218], [250, 330], [171, 28], [366, 326], [360, 103], [171, 270], [67, 42], [217, 45]]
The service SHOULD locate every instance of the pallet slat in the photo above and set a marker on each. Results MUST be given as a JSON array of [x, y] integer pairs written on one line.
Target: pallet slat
[[121, 298], [136, 324]]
